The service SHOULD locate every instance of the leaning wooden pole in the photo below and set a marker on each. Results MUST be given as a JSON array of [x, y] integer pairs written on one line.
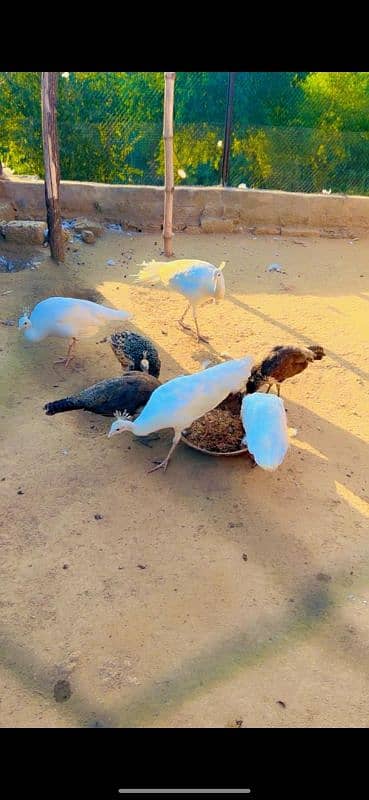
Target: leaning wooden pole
[[49, 87], [169, 78], [228, 129]]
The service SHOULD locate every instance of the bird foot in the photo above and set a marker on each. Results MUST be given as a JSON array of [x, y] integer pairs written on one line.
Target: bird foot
[[66, 361], [160, 465], [185, 327], [198, 337]]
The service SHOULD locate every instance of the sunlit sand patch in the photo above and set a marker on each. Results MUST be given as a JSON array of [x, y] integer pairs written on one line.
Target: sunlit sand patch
[[352, 499], [307, 447]]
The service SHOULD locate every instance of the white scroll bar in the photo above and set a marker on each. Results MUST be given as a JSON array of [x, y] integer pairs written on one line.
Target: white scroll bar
[[184, 791]]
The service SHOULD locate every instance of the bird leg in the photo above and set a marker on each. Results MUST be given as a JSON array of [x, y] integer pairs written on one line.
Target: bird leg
[[273, 383], [163, 464], [199, 337], [180, 321], [70, 355], [187, 327]]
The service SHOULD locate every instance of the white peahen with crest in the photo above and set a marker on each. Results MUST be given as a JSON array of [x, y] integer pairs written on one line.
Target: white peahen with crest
[[199, 281], [67, 317], [179, 402]]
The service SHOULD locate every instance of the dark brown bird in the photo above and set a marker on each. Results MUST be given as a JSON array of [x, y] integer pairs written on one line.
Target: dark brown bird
[[282, 363], [129, 392]]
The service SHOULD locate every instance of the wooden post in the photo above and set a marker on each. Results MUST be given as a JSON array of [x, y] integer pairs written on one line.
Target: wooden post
[[228, 129], [169, 78], [49, 86]]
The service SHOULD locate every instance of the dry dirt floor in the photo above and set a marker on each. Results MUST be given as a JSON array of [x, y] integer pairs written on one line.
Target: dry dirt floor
[[214, 592]]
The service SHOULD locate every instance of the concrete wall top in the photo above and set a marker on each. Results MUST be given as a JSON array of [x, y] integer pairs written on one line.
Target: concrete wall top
[[198, 208]]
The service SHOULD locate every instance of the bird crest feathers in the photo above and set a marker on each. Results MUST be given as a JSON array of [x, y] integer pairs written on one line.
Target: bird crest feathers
[[122, 415], [26, 310]]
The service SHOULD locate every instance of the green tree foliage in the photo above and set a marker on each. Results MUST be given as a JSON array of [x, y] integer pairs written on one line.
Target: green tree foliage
[[336, 109], [293, 131], [20, 122]]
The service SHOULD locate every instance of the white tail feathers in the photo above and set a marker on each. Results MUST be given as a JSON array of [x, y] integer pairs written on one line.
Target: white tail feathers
[[123, 314], [265, 424], [163, 271], [151, 272], [104, 312]]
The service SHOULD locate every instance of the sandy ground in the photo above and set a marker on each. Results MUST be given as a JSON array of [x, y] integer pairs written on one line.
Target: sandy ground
[[200, 637]]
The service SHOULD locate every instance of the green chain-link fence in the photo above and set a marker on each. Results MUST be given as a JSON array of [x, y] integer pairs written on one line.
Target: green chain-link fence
[[295, 131]]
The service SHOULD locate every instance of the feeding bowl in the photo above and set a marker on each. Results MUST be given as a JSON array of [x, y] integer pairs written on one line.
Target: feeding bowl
[[243, 452], [210, 433]]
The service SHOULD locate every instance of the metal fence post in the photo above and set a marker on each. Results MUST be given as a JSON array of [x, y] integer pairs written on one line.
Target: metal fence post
[[228, 129]]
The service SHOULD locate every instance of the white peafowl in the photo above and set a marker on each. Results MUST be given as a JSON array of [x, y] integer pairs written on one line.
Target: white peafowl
[[199, 281], [67, 317], [266, 433], [179, 402]]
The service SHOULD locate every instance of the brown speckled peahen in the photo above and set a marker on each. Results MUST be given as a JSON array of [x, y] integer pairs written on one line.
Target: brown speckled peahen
[[135, 352]]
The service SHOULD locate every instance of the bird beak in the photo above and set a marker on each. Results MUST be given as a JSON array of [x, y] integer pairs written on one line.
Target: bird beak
[[113, 432]]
